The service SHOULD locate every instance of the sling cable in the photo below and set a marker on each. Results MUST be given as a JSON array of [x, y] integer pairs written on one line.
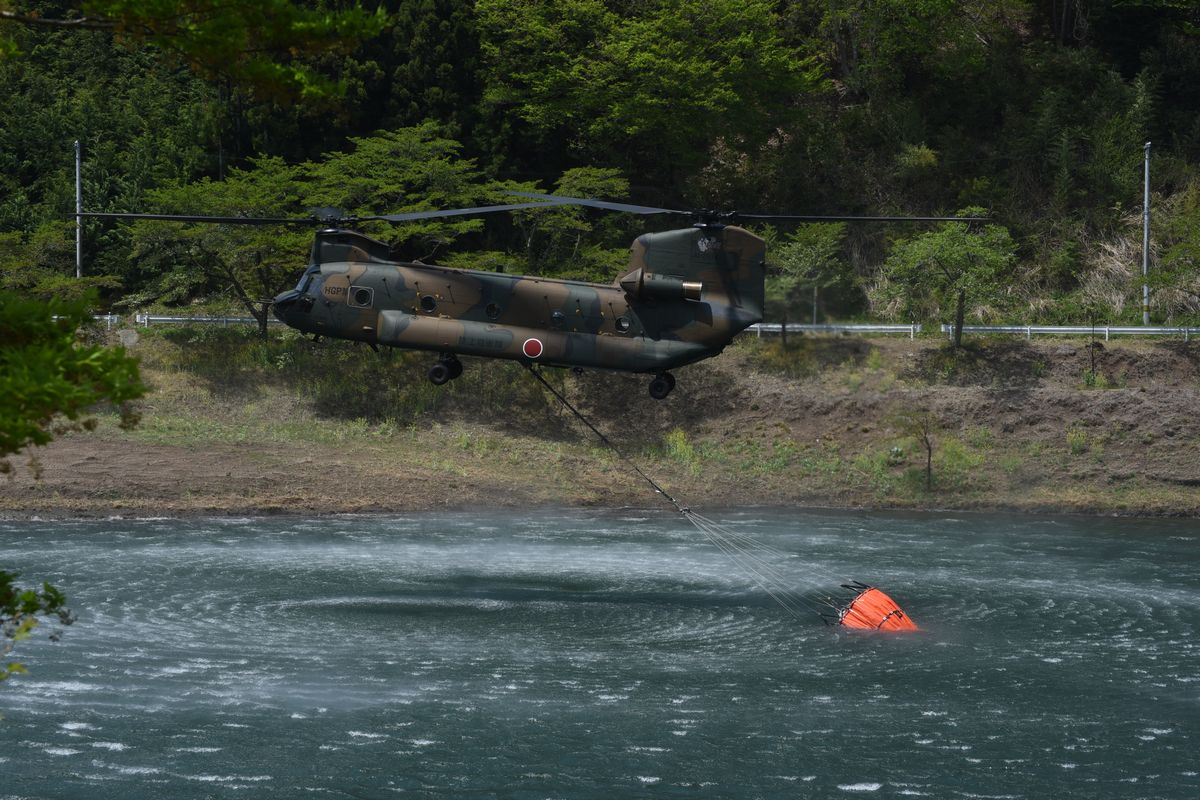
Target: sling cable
[[860, 606]]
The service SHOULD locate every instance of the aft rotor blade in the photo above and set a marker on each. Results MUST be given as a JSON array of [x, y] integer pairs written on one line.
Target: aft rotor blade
[[583, 201], [819, 218], [203, 218]]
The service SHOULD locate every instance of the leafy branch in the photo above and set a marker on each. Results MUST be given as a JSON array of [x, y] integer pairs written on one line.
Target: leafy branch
[[19, 612]]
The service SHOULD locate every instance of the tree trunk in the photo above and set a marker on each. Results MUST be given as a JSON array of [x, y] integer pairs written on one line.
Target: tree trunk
[[960, 314], [928, 465], [263, 316]]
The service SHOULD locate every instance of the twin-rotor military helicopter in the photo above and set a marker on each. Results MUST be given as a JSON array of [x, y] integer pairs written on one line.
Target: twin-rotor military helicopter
[[684, 296]]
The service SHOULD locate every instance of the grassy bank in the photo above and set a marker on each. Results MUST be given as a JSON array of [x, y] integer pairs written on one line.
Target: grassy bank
[[233, 424]]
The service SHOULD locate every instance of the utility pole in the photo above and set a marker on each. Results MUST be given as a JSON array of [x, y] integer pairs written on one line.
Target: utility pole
[[1146, 241], [78, 212]]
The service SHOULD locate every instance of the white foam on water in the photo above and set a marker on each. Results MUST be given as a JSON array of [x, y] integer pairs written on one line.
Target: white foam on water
[[365, 735], [136, 770], [228, 778], [77, 726], [860, 787], [59, 687], [422, 742], [198, 749], [180, 670], [649, 780], [61, 751], [116, 747]]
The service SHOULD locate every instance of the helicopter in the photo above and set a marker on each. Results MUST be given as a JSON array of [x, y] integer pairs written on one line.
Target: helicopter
[[684, 296]]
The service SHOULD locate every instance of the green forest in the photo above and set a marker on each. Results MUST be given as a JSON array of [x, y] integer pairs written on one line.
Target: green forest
[[1034, 112]]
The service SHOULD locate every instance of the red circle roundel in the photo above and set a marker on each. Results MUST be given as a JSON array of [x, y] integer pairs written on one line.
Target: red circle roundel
[[532, 348]]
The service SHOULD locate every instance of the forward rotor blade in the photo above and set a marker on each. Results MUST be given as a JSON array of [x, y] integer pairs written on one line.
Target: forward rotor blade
[[454, 212], [582, 201], [204, 218]]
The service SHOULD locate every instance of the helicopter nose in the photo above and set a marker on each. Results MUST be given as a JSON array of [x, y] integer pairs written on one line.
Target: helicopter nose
[[283, 303]]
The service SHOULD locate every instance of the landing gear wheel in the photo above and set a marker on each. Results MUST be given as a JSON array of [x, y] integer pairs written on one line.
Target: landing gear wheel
[[662, 385], [446, 369]]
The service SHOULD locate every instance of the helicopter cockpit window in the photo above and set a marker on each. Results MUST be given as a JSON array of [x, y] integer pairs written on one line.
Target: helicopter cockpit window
[[306, 279], [361, 296]]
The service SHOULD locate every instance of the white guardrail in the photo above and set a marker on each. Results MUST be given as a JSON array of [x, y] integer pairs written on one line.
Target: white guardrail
[[1077, 330], [795, 327], [146, 320], [776, 328]]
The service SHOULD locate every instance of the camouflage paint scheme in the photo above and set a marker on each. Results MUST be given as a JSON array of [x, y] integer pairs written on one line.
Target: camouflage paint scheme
[[686, 295]]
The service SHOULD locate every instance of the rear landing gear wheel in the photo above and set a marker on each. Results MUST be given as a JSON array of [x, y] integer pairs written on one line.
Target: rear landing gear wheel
[[662, 385]]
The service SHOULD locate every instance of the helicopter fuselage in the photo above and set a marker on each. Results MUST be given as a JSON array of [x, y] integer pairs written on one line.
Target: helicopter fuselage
[[687, 294]]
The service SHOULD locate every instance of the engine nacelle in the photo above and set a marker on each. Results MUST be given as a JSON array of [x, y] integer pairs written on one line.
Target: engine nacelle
[[642, 285]]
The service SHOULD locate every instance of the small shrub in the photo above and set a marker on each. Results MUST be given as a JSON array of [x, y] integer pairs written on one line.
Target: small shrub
[[680, 450], [781, 456], [1077, 441], [1094, 379], [956, 465], [981, 438]]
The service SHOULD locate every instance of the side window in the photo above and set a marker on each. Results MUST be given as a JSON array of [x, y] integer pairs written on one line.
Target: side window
[[360, 296]]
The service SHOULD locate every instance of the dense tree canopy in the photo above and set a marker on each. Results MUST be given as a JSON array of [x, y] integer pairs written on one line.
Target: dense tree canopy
[[1035, 111], [259, 43]]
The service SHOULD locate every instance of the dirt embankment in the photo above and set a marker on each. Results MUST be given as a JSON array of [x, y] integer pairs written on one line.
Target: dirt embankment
[[1034, 426]]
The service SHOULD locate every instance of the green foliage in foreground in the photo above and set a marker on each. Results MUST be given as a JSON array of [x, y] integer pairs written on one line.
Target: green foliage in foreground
[[20, 609], [47, 375]]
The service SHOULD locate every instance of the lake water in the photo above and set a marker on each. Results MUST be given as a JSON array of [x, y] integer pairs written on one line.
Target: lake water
[[604, 655]]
